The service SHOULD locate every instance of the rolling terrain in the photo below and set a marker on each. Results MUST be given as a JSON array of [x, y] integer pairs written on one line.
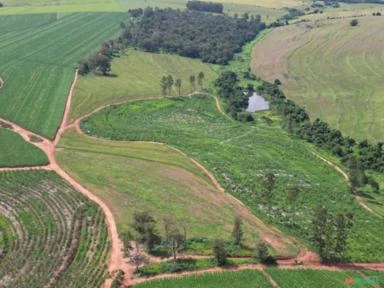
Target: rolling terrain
[[331, 69]]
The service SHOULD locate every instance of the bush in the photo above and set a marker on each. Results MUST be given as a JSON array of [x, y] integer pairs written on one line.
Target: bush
[[354, 22]]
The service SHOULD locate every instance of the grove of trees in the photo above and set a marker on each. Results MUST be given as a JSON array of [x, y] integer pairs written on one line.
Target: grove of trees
[[212, 38]]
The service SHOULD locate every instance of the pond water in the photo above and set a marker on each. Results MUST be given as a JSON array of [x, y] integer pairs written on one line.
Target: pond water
[[257, 103]]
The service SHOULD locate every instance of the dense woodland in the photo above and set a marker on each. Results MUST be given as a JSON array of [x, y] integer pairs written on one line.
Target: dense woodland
[[210, 37], [205, 6]]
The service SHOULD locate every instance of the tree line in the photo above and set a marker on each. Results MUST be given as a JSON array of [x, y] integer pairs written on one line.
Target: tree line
[[205, 6], [212, 38]]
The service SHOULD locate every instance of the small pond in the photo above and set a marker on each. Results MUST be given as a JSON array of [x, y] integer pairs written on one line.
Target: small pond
[[257, 103]]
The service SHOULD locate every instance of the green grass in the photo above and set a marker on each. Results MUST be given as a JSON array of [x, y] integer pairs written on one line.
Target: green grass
[[229, 279], [332, 69], [48, 228], [16, 152], [138, 76], [39, 55], [239, 154], [312, 278], [133, 177]]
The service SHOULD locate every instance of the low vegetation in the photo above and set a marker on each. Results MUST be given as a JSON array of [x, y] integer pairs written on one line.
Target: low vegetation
[[40, 51], [212, 280], [141, 82], [16, 152], [49, 232]]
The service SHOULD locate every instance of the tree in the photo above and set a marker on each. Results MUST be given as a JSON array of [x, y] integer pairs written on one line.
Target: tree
[[343, 224], [322, 230], [200, 79], [164, 85], [174, 237], [144, 225], [292, 195], [356, 172], [219, 253], [354, 22], [237, 232], [169, 83], [262, 253], [84, 67], [192, 80], [178, 85], [268, 184], [1, 5], [137, 258], [101, 63]]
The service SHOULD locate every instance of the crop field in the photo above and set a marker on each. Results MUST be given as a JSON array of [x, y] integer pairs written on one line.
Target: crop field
[[213, 280], [49, 232], [138, 76], [153, 177], [332, 69], [41, 51], [16, 152], [195, 126], [313, 278]]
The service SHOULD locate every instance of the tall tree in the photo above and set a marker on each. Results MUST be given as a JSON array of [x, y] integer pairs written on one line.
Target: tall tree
[[219, 253], [192, 80], [164, 85], [343, 223], [268, 184], [178, 85], [262, 253], [145, 227], [322, 232], [200, 79], [237, 232], [169, 83], [100, 62], [292, 196]]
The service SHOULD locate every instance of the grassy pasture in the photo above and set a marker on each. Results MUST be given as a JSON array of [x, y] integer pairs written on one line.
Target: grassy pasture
[[39, 55], [228, 279], [332, 69], [49, 228], [313, 278], [16, 152], [195, 126], [132, 176], [138, 76]]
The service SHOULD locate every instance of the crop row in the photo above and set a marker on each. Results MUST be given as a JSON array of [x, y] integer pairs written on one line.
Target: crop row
[[48, 231]]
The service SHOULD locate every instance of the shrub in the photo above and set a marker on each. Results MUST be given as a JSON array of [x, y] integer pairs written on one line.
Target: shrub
[[354, 22]]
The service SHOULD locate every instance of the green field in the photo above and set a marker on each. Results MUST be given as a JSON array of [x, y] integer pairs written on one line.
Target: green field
[[195, 126], [138, 76], [332, 69], [153, 177], [49, 229], [270, 10], [313, 278], [39, 55], [16, 152], [214, 280]]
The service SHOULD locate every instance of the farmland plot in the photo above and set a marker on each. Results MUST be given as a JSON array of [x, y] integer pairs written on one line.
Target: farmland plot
[[39, 55], [49, 232]]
